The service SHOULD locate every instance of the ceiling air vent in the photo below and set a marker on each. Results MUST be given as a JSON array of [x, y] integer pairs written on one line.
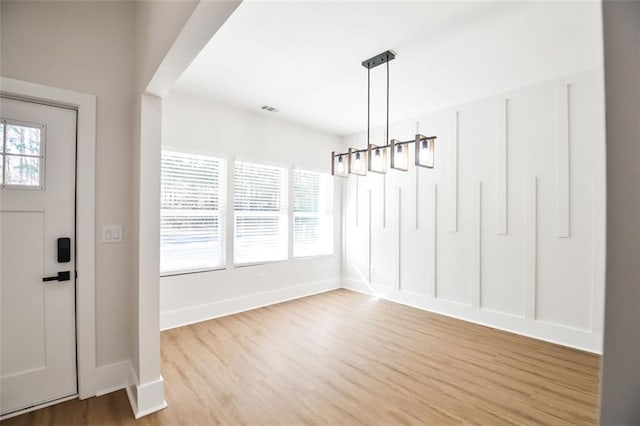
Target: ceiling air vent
[[269, 108]]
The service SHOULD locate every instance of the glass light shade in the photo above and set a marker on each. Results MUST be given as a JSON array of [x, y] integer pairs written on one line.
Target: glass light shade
[[339, 164], [377, 158], [399, 155], [425, 150], [358, 162]]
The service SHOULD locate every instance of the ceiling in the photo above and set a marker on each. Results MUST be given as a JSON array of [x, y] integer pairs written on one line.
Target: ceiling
[[304, 57]]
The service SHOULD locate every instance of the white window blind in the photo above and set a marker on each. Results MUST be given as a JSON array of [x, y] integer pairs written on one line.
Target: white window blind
[[192, 220], [260, 207], [312, 213]]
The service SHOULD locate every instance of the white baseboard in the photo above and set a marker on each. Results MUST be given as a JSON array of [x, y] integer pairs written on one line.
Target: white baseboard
[[585, 340], [146, 398], [191, 315], [36, 407], [112, 377]]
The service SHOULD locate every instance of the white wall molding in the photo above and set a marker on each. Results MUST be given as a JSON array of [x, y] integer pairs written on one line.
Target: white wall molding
[[530, 252], [452, 172], [370, 230], [399, 253], [490, 218], [598, 252], [432, 242], [476, 246], [563, 184], [416, 175], [384, 201], [357, 206], [194, 314], [502, 140], [549, 332]]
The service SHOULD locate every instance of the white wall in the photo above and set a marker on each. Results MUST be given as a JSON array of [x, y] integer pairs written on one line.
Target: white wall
[[620, 392], [111, 50], [87, 47], [168, 36], [508, 229], [191, 124]]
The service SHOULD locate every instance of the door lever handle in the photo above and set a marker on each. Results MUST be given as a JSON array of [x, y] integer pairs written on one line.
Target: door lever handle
[[62, 276]]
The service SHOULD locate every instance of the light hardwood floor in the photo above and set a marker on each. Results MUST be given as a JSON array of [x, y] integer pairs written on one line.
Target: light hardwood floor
[[346, 358]]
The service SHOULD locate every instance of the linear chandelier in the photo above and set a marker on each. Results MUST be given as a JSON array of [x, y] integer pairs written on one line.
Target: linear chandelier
[[373, 158]]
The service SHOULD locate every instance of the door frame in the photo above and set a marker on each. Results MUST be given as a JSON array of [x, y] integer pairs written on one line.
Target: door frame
[[85, 105]]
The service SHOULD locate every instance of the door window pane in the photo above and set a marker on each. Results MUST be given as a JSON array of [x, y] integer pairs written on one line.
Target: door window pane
[[23, 140], [21, 154], [24, 171]]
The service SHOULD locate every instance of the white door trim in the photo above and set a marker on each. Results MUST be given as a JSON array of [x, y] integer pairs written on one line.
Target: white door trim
[[85, 104]]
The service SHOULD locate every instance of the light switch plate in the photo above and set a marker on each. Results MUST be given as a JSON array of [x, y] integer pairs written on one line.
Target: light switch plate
[[112, 234]]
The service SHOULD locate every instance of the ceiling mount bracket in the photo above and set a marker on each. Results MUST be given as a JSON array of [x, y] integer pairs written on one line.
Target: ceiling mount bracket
[[380, 59]]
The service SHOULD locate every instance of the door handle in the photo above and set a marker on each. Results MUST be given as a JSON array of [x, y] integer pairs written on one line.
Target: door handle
[[62, 276]]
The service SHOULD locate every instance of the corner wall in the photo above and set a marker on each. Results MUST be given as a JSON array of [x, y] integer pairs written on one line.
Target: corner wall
[[620, 389], [192, 124], [86, 47], [508, 230]]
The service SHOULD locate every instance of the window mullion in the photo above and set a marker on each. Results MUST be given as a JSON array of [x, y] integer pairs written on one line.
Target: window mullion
[[290, 218]]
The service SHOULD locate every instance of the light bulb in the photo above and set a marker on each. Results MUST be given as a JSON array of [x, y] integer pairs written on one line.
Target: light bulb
[[340, 165], [400, 160], [377, 161], [358, 163], [425, 154], [424, 151]]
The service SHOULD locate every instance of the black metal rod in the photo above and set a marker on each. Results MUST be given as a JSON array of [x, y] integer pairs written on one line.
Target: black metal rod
[[368, 105], [387, 135]]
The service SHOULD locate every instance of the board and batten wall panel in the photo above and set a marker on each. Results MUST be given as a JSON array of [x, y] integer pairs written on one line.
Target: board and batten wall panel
[[508, 229]]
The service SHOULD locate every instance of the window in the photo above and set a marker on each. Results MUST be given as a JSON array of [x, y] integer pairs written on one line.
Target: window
[[312, 213], [21, 155], [192, 219], [260, 204]]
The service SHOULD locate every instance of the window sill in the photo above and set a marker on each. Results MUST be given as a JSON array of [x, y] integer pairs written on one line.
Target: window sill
[[269, 262], [258, 263], [312, 256], [242, 265], [191, 271]]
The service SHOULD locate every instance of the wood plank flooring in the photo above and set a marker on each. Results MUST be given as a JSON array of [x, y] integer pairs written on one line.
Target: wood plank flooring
[[346, 358]]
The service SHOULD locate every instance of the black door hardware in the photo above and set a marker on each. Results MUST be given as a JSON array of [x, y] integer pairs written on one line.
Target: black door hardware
[[64, 250], [62, 276]]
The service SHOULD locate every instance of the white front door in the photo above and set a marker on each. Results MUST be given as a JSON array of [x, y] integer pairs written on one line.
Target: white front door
[[37, 208]]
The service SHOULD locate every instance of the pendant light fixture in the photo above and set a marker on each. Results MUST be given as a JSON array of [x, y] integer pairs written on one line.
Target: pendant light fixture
[[358, 161], [339, 164], [374, 157], [425, 150], [377, 158]]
